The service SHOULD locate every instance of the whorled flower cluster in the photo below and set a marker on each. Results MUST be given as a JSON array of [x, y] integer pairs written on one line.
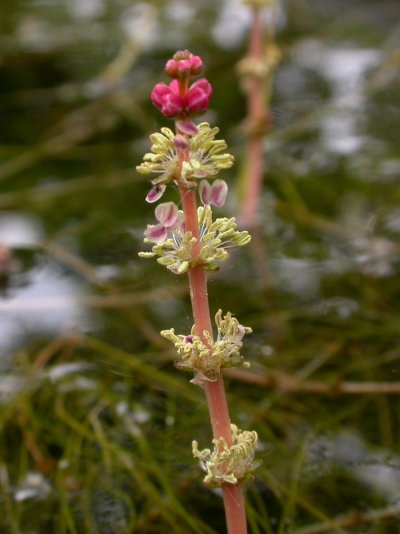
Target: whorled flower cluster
[[216, 238], [206, 357], [228, 465], [173, 104], [206, 158], [184, 65]]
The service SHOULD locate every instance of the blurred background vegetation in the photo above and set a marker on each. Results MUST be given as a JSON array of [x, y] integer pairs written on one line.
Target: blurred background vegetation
[[95, 422]]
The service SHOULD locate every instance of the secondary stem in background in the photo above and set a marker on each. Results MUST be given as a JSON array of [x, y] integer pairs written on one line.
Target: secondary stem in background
[[256, 71]]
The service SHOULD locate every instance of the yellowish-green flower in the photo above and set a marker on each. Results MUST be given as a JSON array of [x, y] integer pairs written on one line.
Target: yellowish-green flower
[[228, 465], [206, 357], [206, 157], [216, 238]]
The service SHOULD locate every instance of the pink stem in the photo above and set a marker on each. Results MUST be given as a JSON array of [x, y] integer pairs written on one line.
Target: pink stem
[[256, 105], [215, 391], [257, 115], [235, 512], [248, 216]]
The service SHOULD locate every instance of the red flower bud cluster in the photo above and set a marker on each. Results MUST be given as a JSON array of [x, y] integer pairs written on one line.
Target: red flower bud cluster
[[183, 65], [172, 104]]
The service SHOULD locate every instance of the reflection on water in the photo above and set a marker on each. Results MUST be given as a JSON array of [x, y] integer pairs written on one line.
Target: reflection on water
[[345, 69], [86, 9], [39, 300], [33, 486], [379, 470], [19, 230], [45, 305], [232, 24]]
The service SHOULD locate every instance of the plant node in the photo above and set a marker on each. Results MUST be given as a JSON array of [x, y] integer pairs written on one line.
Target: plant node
[[228, 465]]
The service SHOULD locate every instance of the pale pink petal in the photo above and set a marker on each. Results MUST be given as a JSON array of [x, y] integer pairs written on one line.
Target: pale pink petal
[[180, 223], [187, 127], [156, 233], [200, 379], [167, 213], [205, 191], [219, 190], [200, 174], [181, 142], [240, 334], [155, 193]]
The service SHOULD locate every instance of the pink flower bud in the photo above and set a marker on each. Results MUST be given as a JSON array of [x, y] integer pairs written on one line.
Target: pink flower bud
[[198, 97], [174, 105], [184, 68], [167, 99], [196, 65], [158, 94], [184, 64], [171, 68]]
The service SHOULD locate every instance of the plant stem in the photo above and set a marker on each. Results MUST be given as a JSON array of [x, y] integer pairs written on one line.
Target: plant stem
[[289, 384], [256, 103], [248, 217], [353, 518], [263, 55], [215, 391], [257, 115]]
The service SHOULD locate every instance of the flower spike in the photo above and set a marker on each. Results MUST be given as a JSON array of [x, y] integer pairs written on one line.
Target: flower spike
[[196, 242]]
